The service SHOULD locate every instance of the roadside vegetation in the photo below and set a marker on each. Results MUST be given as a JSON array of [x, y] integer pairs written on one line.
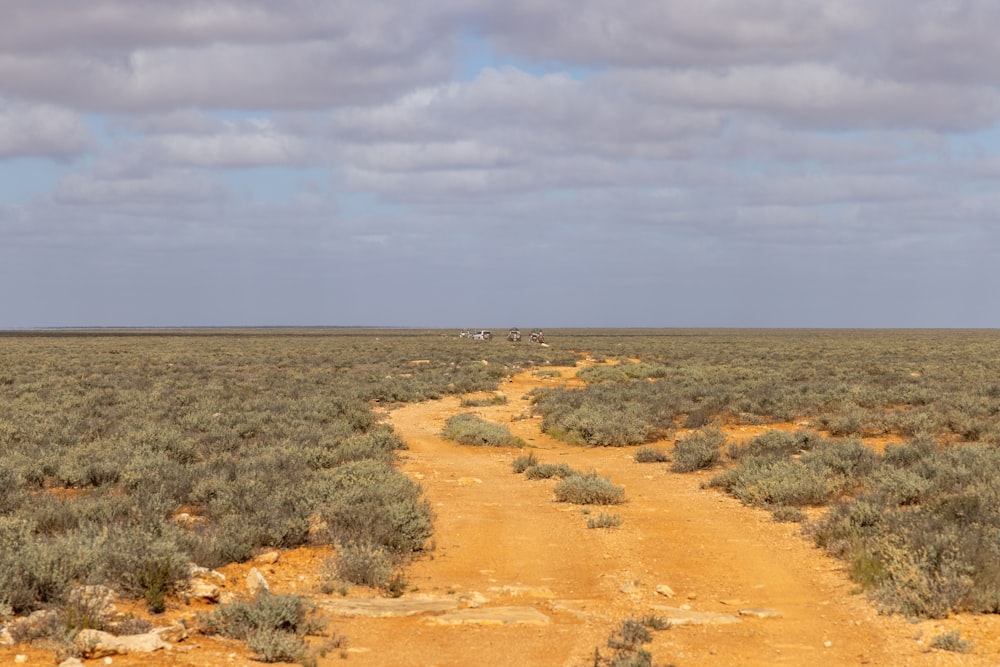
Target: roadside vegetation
[[468, 429], [129, 455], [917, 524]]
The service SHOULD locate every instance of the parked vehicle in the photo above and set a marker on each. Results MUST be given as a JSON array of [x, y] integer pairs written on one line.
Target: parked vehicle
[[514, 335], [537, 336], [482, 335]]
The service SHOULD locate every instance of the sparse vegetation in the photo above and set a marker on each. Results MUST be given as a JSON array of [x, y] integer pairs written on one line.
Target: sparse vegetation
[[363, 563], [261, 439], [626, 643], [651, 455], [468, 429], [549, 470], [589, 489], [951, 641], [604, 521], [522, 463], [273, 626], [698, 451], [268, 440], [493, 399]]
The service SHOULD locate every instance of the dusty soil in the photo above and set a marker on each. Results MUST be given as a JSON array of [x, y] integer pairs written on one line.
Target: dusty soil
[[503, 543]]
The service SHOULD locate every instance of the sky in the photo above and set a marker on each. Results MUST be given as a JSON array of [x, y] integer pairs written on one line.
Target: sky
[[474, 163]]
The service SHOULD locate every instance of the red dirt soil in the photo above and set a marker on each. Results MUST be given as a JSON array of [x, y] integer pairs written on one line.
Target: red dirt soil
[[505, 538]]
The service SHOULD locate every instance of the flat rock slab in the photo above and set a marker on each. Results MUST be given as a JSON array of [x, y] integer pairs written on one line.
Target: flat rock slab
[[678, 616], [98, 644], [760, 612], [388, 607], [492, 616], [578, 608], [519, 591]]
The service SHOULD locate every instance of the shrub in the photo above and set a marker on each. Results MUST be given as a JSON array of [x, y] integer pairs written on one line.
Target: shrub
[[651, 455], [627, 640], [142, 565], [522, 463], [494, 399], [368, 501], [773, 444], [467, 429], [698, 451], [785, 514], [698, 417], [363, 563], [765, 482], [589, 489], [272, 625], [549, 470], [604, 521], [951, 641]]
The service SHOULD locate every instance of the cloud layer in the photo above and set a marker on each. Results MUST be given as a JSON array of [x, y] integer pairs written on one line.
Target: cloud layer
[[726, 162]]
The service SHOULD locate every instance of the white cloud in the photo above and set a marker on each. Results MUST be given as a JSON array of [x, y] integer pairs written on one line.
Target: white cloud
[[41, 131], [164, 189]]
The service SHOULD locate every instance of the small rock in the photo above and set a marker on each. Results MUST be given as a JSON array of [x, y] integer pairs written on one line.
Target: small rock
[[204, 590], [188, 521], [269, 558], [472, 600], [98, 644], [172, 633], [828, 644], [256, 582], [71, 662], [684, 616], [663, 589], [20, 658], [203, 573]]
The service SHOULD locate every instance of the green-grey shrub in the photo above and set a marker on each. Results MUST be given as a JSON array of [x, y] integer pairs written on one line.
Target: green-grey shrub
[[468, 429], [363, 563], [589, 489], [698, 451], [272, 625], [549, 470], [765, 482], [650, 455], [522, 463], [604, 521], [951, 641], [785, 514], [773, 444]]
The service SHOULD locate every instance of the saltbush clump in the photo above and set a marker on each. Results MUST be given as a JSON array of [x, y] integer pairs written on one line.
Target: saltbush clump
[[951, 641], [650, 455], [589, 489], [363, 563], [468, 429], [549, 470], [604, 521], [698, 451], [522, 463], [273, 626]]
